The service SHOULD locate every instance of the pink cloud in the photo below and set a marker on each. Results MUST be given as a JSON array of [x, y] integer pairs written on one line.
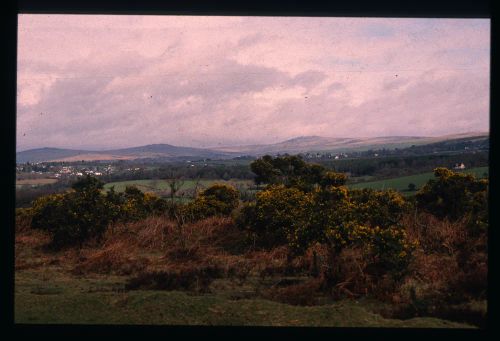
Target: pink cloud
[[114, 81]]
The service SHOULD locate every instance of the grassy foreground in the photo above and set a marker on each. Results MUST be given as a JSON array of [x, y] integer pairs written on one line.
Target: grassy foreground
[[50, 295]]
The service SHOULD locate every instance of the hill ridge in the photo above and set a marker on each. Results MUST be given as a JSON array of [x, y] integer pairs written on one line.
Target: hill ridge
[[300, 144]]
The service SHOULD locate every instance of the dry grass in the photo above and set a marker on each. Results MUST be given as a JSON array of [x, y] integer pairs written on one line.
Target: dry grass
[[355, 279], [29, 245], [113, 259], [23, 221], [436, 235], [193, 278], [159, 244], [31, 238], [304, 294], [449, 268]]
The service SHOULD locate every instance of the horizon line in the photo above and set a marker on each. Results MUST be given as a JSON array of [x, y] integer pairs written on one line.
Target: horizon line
[[244, 145]]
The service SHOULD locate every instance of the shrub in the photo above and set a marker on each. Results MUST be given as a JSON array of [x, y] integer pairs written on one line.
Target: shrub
[[450, 261], [306, 203], [23, 218], [276, 216], [367, 218], [136, 205], [73, 217], [378, 208], [391, 249], [216, 200], [225, 194], [454, 195], [290, 171], [333, 179], [334, 216], [115, 203]]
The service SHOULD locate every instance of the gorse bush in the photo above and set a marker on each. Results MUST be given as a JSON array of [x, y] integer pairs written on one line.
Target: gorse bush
[[379, 208], [85, 212], [216, 200], [277, 215], [137, 205], [73, 217], [308, 209], [223, 198], [23, 218], [288, 216], [290, 171], [454, 195], [332, 179], [368, 219]]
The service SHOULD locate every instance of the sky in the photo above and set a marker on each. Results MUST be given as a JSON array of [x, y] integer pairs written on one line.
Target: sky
[[109, 81]]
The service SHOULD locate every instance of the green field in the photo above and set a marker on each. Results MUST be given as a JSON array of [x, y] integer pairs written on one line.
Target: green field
[[51, 295], [401, 183], [161, 186]]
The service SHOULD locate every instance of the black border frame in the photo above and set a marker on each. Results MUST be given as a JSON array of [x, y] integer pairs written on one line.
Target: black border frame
[[354, 8]]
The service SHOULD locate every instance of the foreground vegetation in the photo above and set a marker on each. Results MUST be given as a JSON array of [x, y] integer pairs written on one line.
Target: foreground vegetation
[[306, 251], [70, 299], [92, 284]]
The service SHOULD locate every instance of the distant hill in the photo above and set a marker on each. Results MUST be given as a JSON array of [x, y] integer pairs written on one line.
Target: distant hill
[[296, 145], [164, 151], [334, 144], [47, 154]]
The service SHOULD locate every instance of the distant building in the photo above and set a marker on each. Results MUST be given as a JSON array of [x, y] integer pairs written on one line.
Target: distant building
[[459, 166]]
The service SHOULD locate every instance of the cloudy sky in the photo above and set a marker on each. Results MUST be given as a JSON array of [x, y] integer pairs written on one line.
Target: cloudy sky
[[97, 82]]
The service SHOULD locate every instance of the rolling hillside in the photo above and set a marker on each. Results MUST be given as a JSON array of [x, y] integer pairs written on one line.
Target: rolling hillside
[[149, 151], [292, 146], [333, 144]]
